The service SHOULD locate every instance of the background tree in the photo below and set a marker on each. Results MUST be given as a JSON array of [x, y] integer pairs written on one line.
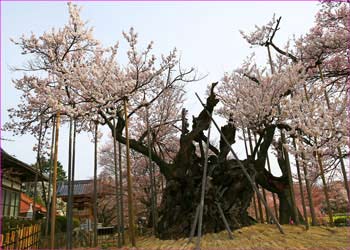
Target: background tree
[[47, 165]]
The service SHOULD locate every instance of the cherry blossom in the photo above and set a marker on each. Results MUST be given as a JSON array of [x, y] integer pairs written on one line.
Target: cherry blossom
[[294, 96]]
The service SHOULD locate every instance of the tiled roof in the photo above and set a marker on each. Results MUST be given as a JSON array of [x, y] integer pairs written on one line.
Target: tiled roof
[[23, 170], [81, 187], [25, 204]]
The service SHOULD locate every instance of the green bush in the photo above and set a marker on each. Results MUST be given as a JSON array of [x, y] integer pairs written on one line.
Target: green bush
[[342, 221], [11, 223], [107, 245], [76, 223], [337, 215], [61, 224]]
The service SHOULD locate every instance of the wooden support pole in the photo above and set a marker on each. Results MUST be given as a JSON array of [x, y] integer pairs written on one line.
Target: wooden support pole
[[325, 190], [264, 195], [255, 209], [229, 232], [121, 192], [119, 215], [201, 203], [301, 187], [155, 199], [70, 200], [250, 142], [151, 170], [318, 156], [246, 151], [259, 207], [194, 224], [309, 194], [290, 180], [48, 205], [245, 172], [129, 179], [37, 170], [307, 182], [285, 153], [73, 172], [266, 213], [261, 215], [245, 141], [95, 242], [273, 194], [346, 183], [54, 185]]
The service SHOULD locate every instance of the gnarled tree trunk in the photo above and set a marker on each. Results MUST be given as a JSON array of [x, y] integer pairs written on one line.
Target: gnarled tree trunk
[[226, 182]]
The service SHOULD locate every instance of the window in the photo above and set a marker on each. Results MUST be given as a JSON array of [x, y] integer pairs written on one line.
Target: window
[[10, 202]]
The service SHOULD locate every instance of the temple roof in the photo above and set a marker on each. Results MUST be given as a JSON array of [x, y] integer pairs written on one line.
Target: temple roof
[[83, 188]]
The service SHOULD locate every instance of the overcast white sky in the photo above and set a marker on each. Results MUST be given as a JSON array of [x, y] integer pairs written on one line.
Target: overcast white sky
[[206, 34]]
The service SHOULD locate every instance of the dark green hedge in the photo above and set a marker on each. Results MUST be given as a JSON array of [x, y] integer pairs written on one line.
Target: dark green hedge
[[11, 223]]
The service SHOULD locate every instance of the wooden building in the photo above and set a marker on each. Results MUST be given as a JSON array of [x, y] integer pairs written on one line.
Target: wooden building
[[83, 199], [13, 174]]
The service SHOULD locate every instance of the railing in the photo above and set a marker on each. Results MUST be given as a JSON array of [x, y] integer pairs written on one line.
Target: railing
[[21, 238]]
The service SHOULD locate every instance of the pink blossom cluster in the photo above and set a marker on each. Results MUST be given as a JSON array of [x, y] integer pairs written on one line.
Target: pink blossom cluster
[[71, 73], [305, 93]]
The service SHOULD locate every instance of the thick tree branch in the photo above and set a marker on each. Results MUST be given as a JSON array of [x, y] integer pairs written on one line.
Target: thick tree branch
[[294, 59], [164, 167], [257, 147], [263, 150], [186, 155], [229, 131]]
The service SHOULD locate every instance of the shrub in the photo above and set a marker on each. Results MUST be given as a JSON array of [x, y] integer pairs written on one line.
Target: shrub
[[61, 224], [11, 223], [76, 223], [342, 221]]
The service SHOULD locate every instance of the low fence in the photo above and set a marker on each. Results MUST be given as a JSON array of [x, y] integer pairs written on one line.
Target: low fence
[[80, 239], [30, 238], [22, 238]]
